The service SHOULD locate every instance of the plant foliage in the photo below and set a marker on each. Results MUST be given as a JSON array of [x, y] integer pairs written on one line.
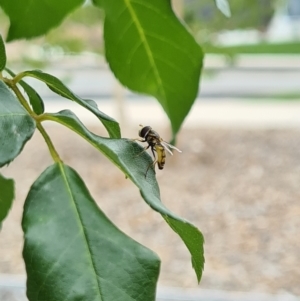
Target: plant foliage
[[7, 194], [72, 251], [83, 256]]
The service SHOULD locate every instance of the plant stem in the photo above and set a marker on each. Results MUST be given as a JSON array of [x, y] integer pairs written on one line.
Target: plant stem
[[20, 96], [18, 77], [36, 117], [47, 139]]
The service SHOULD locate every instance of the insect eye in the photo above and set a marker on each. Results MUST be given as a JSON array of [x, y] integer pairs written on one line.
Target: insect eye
[[144, 131]]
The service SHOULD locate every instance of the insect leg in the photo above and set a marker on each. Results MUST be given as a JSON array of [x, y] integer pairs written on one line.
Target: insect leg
[[153, 149], [151, 164], [145, 148]]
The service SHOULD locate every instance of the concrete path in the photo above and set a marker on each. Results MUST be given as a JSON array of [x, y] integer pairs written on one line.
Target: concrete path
[[224, 97], [250, 76], [228, 113], [12, 288]]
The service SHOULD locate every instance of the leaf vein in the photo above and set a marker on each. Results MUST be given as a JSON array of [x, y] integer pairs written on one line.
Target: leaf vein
[[54, 265], [147, 6], [175, 46], [125, 29], [133, 51], [61, 166], [173, 66], [147, 47]]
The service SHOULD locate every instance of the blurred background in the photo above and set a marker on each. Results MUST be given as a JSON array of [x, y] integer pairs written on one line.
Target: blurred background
[[238, 177]]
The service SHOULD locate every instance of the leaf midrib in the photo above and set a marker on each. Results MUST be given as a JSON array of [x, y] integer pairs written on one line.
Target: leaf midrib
[[65, 178], [146, 45]]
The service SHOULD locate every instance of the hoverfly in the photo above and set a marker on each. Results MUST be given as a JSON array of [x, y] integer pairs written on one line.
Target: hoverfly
[[157, 145]]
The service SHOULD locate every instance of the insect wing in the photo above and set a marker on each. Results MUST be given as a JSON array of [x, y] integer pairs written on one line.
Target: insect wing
[[167, 146]]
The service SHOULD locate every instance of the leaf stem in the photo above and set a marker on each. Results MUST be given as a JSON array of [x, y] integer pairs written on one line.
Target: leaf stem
[[52, 150], [20, 96], [18, 77]]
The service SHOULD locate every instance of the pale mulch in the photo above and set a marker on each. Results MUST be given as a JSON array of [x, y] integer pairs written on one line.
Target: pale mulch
[[240, 187]]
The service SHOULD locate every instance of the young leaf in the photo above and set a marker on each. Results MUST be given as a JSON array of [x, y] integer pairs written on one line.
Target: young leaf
[[224, 7], [73, 252], [35, 99], [2, 54], [32, 18], [16, 126], [7, 195], [150, 51], [123, 153], [58, 87]]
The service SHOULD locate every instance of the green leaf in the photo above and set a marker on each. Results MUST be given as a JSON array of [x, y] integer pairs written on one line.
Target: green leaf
[[2, 54], [97, 3], [32, 18], [224, 7], [7, 194], [150, 51], [72, 250], [35, 99], [124, 153], [16, 126], [58, 87]]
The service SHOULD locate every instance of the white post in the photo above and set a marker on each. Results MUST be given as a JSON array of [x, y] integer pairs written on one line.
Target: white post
[[119, 97], [178, 7]]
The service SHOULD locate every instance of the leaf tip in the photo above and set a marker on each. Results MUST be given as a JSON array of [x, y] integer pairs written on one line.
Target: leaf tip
[[224, 7]]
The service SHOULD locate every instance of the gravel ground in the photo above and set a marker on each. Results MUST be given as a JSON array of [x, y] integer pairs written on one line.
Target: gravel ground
[[240, 187]]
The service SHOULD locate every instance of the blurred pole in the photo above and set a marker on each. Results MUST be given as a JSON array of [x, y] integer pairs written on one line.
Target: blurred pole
[[178, 7], [119, 97]]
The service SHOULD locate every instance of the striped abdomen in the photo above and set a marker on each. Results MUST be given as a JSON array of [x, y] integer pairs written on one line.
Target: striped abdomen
[[161, 155]]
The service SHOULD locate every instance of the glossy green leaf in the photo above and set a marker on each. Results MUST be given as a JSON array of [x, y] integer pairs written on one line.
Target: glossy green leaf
[[73, 252], [123, 153], [2, 54], [32, 18], [58, 87], [7, 195], [16, 126], [224, 7], [150, 51], [35, 99]]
